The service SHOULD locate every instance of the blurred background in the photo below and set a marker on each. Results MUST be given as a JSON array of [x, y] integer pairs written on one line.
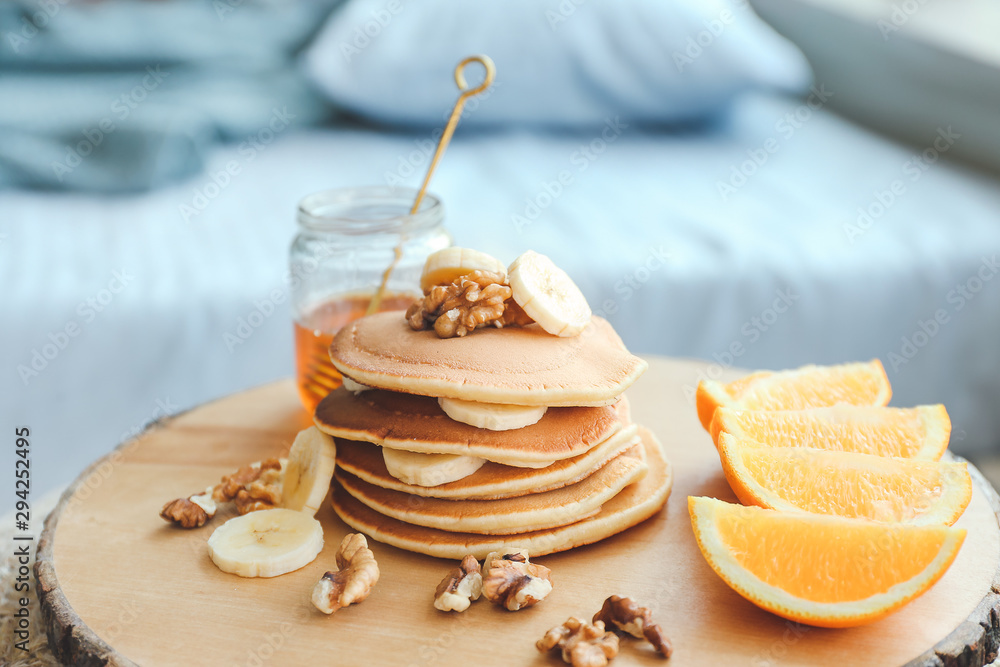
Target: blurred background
[[758, 185]]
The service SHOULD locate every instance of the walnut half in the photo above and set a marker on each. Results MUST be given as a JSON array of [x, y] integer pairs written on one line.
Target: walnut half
[[581, 644], [263, 493], [627, 616], [512, 582], [354, 581], [460, 587], [190, 512]]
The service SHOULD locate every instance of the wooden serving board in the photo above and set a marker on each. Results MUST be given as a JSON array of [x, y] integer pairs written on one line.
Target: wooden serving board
[[118, 585]]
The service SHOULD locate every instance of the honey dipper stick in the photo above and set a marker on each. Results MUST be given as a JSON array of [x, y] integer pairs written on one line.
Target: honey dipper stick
[[449, 130]]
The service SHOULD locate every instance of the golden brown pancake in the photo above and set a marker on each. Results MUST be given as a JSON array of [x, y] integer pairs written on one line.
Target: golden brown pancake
[[534, 511], [493, 480], [418, 424], [633, 505], [514, 365]]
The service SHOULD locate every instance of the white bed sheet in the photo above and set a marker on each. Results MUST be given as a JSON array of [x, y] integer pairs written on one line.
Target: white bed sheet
[[158, 344]]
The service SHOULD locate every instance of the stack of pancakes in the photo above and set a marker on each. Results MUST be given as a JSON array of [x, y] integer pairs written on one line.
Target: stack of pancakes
[[582, 473]]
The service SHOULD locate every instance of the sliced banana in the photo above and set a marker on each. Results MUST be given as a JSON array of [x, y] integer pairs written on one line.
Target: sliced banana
[[491, 416], [307, 476], [444, 266], [548, 295], [429, 469], [266, 543], [352, 385]]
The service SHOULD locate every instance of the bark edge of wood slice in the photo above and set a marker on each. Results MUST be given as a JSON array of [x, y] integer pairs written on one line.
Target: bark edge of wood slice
[[71, 641]]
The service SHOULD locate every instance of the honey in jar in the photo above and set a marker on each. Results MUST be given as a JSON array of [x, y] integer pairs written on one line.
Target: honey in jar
[[316, 377], [347, 238]]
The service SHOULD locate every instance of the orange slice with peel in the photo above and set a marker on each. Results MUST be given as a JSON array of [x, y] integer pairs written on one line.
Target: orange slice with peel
[[845, 483], [818, 569], [913, 433], [860, 383]]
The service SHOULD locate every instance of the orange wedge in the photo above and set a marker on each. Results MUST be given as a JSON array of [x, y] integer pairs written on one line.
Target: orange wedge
[[913, 433], [806, 387], [844, 483], [817, 569]]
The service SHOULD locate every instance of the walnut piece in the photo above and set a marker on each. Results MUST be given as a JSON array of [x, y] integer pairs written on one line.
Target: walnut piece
[[354, 581], [460, 587], [514, 315], [627, 616], [190, 512], [582, 644], [231, 485], [262, 493], [512, 582], [470, 302]]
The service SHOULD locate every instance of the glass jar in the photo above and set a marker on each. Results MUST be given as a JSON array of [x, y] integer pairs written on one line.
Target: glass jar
[[347, 239]]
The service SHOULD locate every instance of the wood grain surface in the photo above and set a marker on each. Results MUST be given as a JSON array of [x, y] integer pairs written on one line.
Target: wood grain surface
[[119, 586]]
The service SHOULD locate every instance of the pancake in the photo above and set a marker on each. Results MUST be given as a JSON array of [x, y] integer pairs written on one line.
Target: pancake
[[633, 505], [535, 511], [515, 365], [493, 480], [418, 424]]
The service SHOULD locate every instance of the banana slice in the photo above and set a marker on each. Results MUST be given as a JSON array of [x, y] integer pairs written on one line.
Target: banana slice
[[514, 463], [352, 385], [548, 295], [429, 469], [266, 543], [444, 266], [310, 468], [491, 416]]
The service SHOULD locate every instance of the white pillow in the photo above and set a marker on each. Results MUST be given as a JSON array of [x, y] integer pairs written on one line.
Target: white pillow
[[559, 62]]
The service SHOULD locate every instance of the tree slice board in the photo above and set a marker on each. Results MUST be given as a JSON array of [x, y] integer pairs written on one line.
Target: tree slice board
[[119, 586]]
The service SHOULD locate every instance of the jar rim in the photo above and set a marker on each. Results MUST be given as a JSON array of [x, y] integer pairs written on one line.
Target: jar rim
[[334, 211]]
